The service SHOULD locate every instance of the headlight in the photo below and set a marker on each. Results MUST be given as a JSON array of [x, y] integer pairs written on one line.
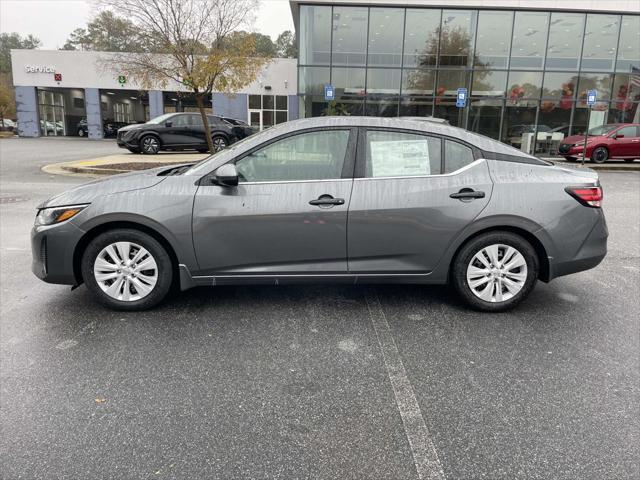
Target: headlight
[[49, 216]]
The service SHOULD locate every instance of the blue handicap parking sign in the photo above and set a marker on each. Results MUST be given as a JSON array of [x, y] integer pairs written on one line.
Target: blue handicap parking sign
[[461, 98], [592, 97], [329, 93]]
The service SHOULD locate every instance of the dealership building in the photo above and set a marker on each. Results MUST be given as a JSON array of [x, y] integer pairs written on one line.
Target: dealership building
[[525, 66], [74, 93], [516, 70]]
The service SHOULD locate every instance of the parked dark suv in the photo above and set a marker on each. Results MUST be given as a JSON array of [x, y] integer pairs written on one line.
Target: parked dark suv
[[175, 131]]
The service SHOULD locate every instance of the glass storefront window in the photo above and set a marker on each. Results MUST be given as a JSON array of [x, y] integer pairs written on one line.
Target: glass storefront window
[[350, 36], [255, 102], [518, 121], [421, 37], [529, 40], [312, 80], [489, 83], [312, 106], [446, 108], [418, 82], [601, 82], [493, 39], [624, 113], [523, 85], [416, 106], [629, 46], [600, 42], [383, 89], [553, 125], [315, 35], [484, 116], [456, 38], [449, 81], [560, 87], [385, 37], [565, 41], [625, 95], [349, 89]]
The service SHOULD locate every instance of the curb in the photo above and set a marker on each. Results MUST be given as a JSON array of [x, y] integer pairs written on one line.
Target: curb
[[604, 167]]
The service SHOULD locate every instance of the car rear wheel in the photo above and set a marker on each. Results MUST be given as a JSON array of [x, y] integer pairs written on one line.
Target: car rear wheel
[[495, 271], [600, 155], [127, 269], [149, 145], [219, 143]]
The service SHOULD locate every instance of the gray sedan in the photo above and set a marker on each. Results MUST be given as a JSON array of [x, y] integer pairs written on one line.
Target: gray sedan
[[343, 199]]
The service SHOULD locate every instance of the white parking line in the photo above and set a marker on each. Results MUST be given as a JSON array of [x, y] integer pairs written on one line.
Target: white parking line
[[424, 453]]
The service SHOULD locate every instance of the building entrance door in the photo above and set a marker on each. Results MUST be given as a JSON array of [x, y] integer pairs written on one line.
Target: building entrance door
[[255, 119]]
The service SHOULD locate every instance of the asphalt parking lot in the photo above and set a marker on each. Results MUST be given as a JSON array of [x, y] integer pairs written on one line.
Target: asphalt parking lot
[[321, 381]]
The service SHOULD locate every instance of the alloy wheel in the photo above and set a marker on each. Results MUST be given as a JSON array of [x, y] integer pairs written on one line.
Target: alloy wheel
[[219, 143], [497, 273], [600, 155], [150, 145], [125, 271]]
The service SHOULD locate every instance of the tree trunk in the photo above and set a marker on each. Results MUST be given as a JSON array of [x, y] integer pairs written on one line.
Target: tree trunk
[[205, 121]]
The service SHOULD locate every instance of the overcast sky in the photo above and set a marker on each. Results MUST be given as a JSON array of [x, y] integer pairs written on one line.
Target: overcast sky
[[52, 20]]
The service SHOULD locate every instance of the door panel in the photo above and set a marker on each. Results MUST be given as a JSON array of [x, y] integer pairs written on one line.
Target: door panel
[[404, 225], [261, 228], [627, 146]]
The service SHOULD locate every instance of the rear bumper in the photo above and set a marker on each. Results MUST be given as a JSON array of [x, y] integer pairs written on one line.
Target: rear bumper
[[589, 255], [52, 249]]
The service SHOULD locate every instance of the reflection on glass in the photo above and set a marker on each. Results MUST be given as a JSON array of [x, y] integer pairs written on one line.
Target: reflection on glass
[[315, 35], [601, 82], [421, 37], [560, 88], [446, 108], [484, 117], [556, 119], [349, 36], [312, 80], [311, 106], [489, 83], [600, 42], [493, 39], [383, 88], [456, 38], [629, 46], [565, 39], [529, 40], [418, 82], [523, 85], [385, 37], [625, 98], [449, 81], [416, 106]]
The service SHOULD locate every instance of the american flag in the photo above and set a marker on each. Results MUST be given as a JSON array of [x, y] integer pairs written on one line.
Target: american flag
[[634, 78]]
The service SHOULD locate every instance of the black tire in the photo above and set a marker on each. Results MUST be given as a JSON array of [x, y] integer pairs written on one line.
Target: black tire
[[133, 150], [149, 144], [600, 155], [165, 270], [570, 159], [219, 143], [80, 132], [475, 245]]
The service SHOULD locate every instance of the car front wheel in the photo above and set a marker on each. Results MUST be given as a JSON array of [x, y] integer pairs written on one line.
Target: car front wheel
[[149, 145], [127, 269], [495, 271], [600, 155]]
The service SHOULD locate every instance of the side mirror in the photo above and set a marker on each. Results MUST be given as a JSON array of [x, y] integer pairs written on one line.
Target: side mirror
[[618, 135], [168, 124], [226, 175]]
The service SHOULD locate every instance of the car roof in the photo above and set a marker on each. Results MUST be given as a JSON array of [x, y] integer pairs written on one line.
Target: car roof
[[482, 142]]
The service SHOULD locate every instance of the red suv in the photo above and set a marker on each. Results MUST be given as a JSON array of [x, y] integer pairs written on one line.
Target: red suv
[[616, 141]]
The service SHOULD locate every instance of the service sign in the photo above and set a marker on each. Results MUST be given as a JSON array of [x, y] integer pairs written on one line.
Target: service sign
[[39, 69]]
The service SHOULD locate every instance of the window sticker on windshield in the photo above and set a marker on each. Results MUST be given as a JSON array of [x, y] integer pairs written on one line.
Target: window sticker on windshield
[[399, 158]]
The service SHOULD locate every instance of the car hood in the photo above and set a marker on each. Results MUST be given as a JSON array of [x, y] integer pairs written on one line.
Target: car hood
[[88, 192], [133, 126], [580, 138]]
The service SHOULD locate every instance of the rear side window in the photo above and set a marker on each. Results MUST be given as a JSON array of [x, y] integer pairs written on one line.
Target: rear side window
[[456, 156], [396, 154]]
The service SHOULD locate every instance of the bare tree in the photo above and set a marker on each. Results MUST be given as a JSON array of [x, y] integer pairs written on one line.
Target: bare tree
[[189, 43]]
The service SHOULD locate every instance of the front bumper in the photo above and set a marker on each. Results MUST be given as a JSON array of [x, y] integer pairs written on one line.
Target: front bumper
[[52, 250], [589, 255]]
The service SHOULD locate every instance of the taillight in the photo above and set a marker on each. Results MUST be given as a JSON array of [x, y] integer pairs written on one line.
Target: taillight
[[588, 196]]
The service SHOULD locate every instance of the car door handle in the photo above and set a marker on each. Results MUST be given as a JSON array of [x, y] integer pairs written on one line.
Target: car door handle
[[467, 193], [635, 141], [326, 200]]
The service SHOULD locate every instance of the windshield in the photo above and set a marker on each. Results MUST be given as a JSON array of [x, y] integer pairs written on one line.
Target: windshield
[[160, 119], [602, 130]]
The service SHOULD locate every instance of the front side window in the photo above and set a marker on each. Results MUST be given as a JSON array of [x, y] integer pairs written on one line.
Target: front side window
[[627, 132], [456, 156], [396, 154], [307, 156]]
